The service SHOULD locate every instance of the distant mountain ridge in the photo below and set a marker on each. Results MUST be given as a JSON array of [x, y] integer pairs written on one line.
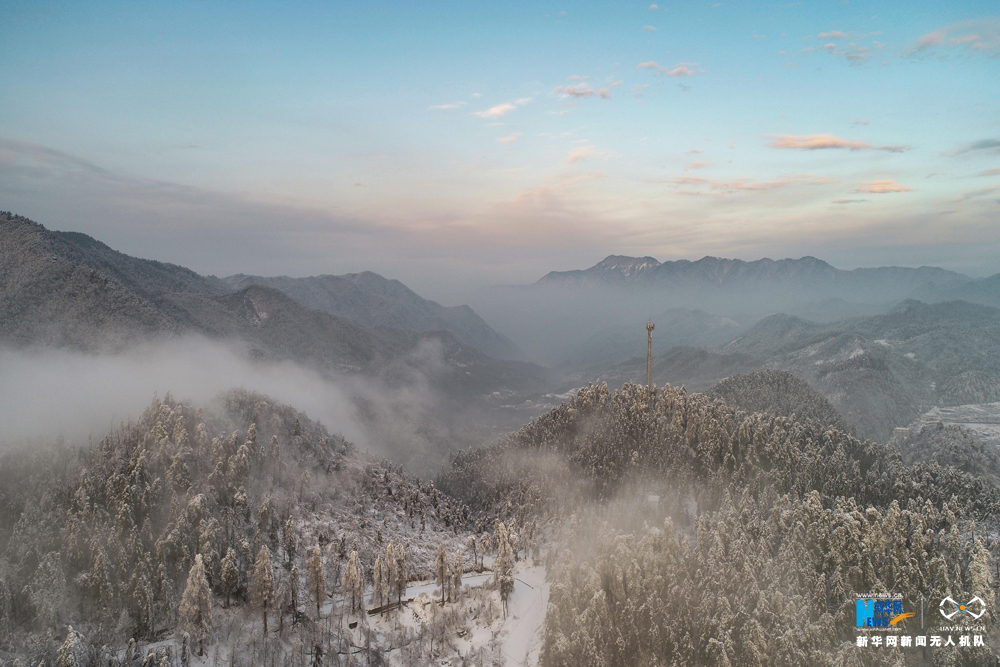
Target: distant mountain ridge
[[620, 270], [371, 300], [559, 318]]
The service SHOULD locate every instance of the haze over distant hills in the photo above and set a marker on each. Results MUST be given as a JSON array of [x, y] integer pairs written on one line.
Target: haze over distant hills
[[805, 273], [371, 300], [557, 319], [879, 372]]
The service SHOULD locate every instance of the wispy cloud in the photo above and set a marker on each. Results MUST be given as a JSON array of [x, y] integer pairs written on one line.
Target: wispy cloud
[[882, 187], [649, 28], [684, 69], [990, 172], [849, 201], [701, 185], [580, 154], [582, 90], [976, 36], [680, 69], [859, 121], [502, 109], [496, 111], [692, 166], [455, 105], [579, 90], [811, 142], [849, 45], [981, 145], [695, 151], [654, 6], [509, 139]]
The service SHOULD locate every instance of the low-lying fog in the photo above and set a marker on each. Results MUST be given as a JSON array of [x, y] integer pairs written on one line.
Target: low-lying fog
[[51, 393]]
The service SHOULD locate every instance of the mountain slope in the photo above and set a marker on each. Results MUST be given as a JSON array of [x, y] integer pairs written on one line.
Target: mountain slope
[[777, 393], [68, 289], [53, 293], [373, 301]]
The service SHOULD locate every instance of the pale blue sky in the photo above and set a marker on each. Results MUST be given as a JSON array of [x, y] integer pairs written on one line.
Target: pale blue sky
[[453, 145]]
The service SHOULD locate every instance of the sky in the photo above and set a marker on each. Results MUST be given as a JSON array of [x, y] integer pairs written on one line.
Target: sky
[[458, 145]]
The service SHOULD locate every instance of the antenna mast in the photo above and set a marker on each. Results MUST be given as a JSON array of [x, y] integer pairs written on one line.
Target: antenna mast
[[649, 353]]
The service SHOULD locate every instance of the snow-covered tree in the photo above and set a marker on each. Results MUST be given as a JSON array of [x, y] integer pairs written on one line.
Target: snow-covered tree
[[485, 546], [402, 572], [74, 652], [470, 546], [504, 567], [230, 575], [457, 568], [289, 542], [378, 579], [316, 577], [441, 571], [390, 571], [354, 581], [262, 591], [195, 613]]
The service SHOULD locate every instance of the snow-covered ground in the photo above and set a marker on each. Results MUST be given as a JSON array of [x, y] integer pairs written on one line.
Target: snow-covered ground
[[521, 634], [981, 418], [469, 630]]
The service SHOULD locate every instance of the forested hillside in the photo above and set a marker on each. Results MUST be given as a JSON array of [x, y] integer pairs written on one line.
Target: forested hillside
[[763, 532], [266, 508], [777, 393]]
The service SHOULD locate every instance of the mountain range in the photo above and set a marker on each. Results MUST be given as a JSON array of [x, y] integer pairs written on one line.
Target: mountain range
[[67, 289], [736, 274], [568, 317]]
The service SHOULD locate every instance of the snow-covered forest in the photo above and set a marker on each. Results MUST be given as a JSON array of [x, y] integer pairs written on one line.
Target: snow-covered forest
[[693, 533], [240, 534]]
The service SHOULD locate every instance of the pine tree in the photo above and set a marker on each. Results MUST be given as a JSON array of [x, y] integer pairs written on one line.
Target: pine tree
[[289, 542], [402, 575], [470, 545], [230, 575], [262, 585], [456, 573], [441, 571], [316, 577], [485, 546], [378, 578], [504, 566], [354, 581], [390, 571], [195, 612], [73, 652]]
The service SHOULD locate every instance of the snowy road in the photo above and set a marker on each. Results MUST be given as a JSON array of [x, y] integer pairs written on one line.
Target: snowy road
[[416, 588], [522, 633]]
